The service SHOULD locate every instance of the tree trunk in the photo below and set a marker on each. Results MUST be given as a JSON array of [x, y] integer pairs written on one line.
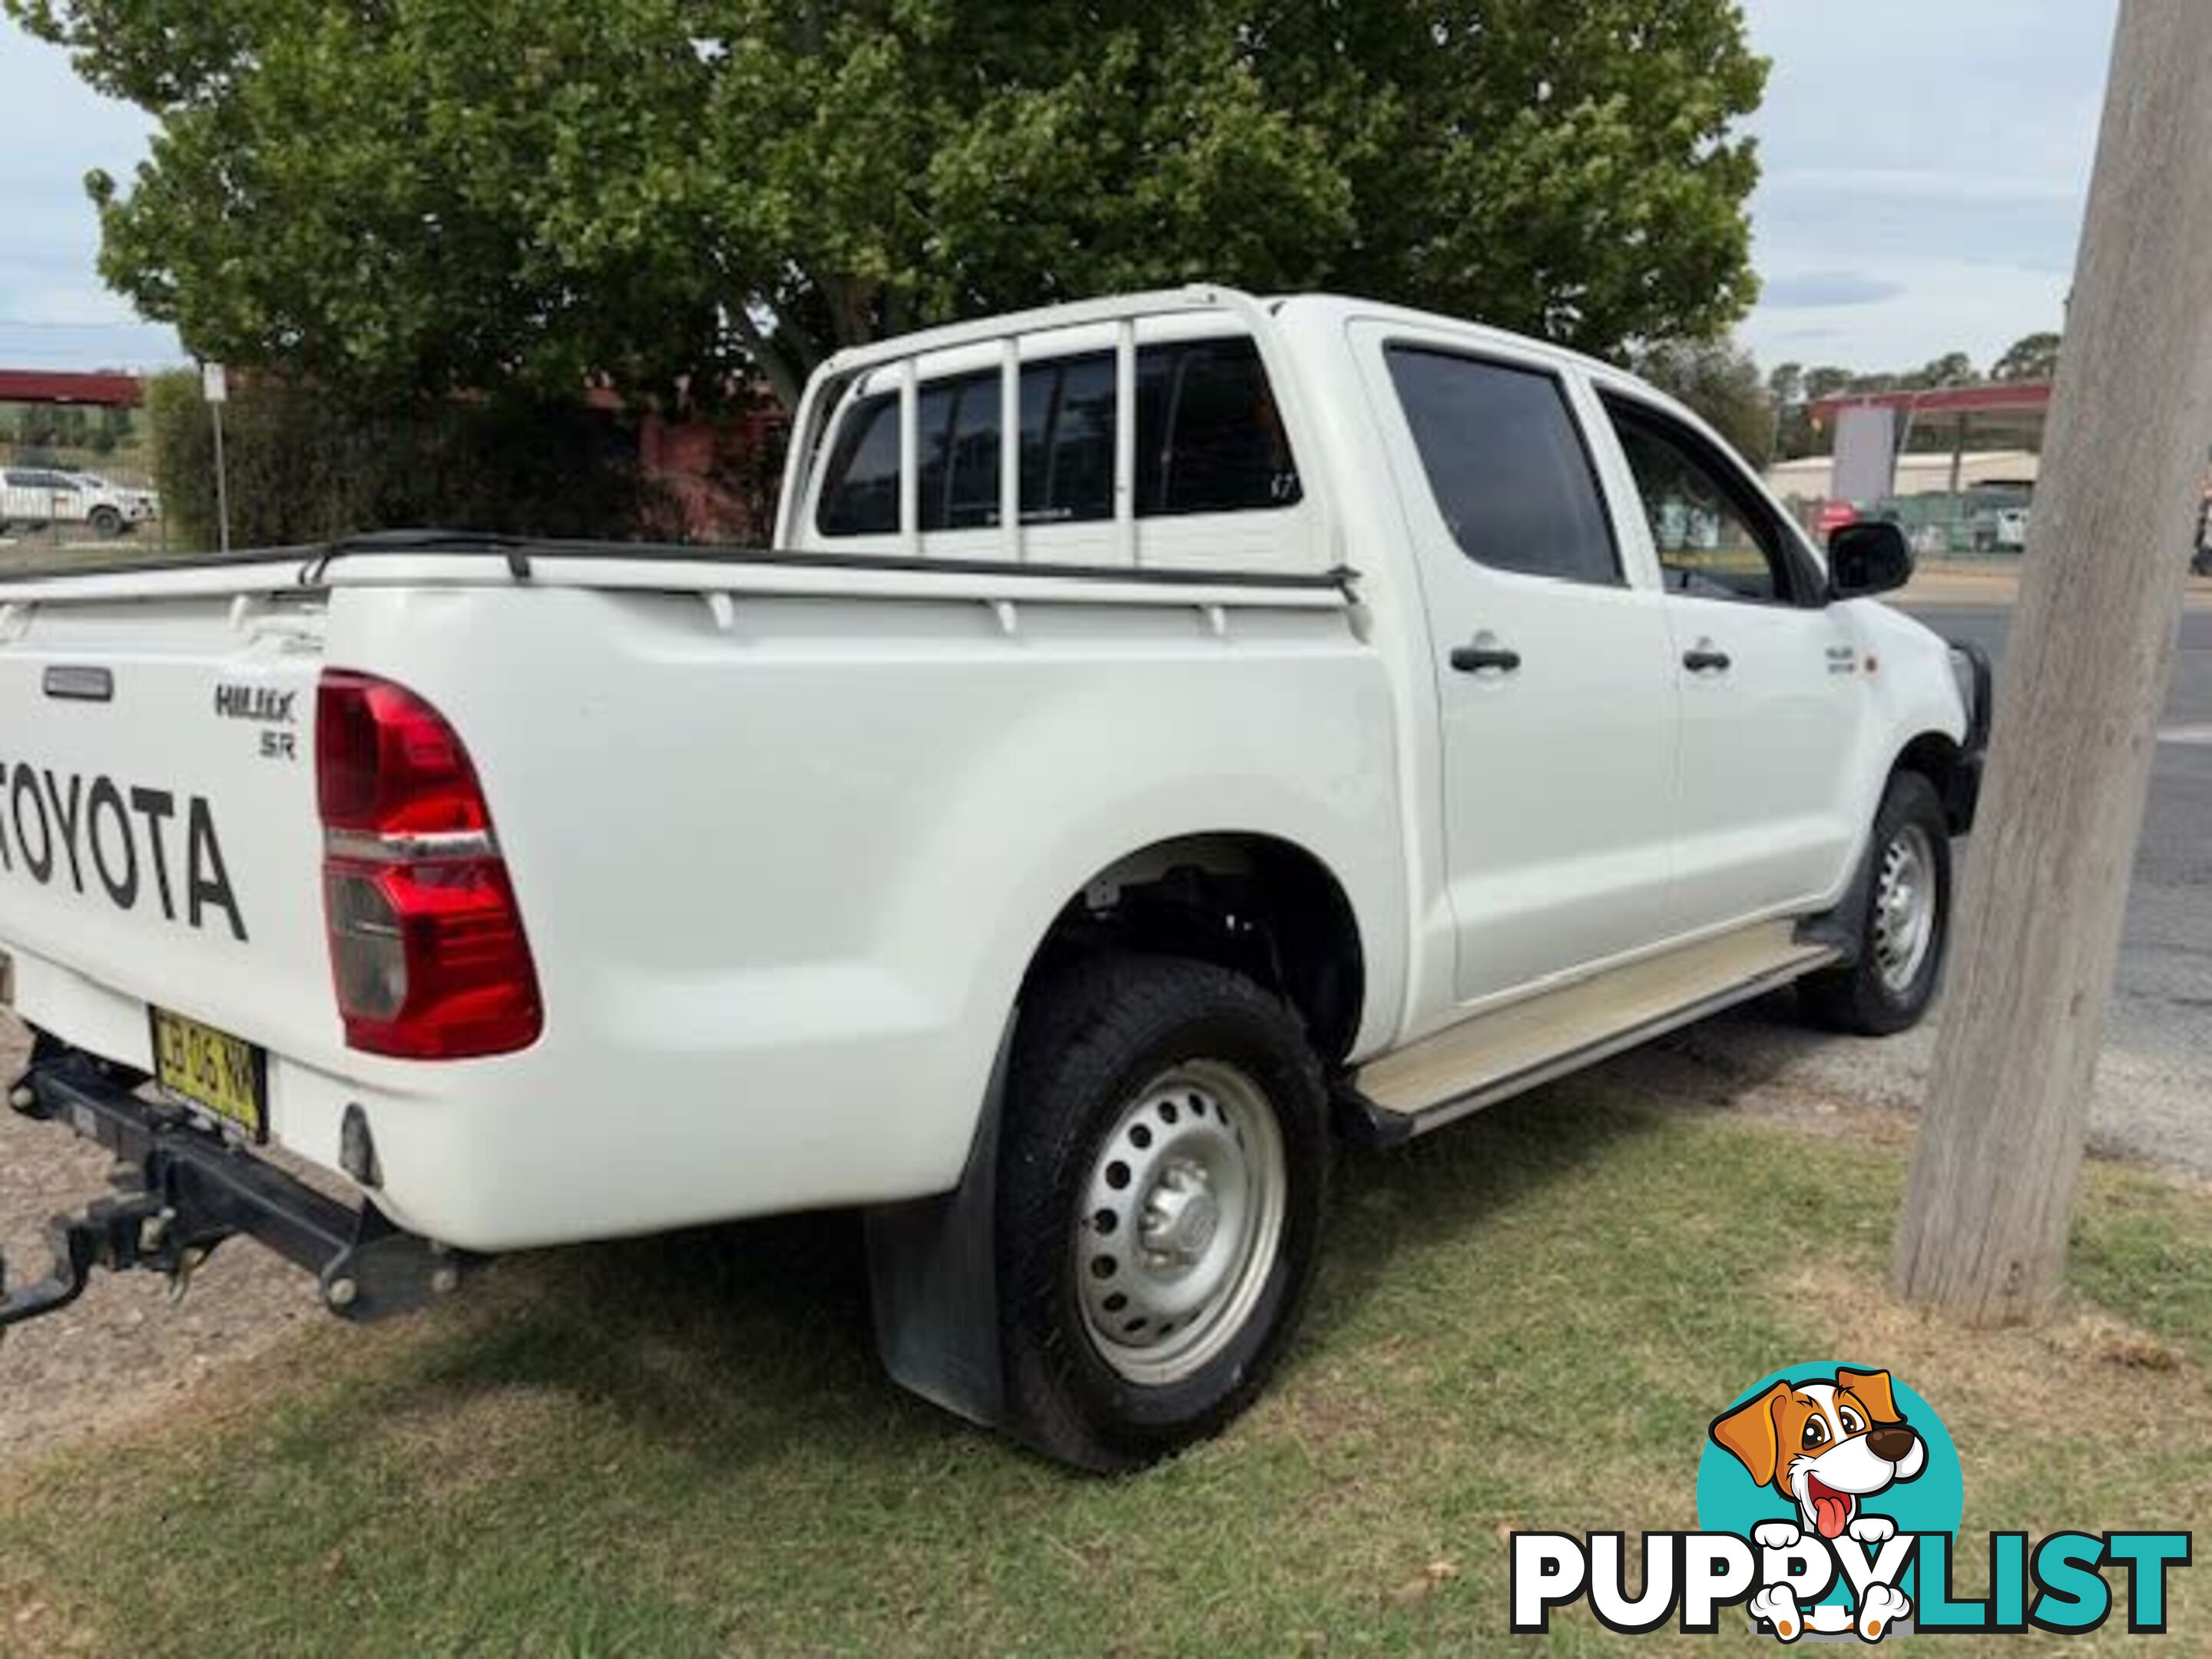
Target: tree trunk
[[785, 379], [1984, 1233]]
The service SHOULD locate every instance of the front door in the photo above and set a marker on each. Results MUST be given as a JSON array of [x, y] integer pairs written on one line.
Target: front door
[[1775, 692], [1554, 673]]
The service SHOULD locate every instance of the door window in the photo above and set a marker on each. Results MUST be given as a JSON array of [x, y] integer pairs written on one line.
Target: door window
[[1506, 463], [1714, 541]]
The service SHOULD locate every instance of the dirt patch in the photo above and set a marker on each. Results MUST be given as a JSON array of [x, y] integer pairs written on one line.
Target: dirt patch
[[1702, 1067], [122, 1352], [36, 1624], [2013, 1386], [467, 1440]]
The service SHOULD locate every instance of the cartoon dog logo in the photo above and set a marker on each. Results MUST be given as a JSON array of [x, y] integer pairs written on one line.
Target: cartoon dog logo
[[1826, 1445]]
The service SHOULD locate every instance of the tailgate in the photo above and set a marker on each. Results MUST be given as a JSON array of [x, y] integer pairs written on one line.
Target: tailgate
[[158, 826]]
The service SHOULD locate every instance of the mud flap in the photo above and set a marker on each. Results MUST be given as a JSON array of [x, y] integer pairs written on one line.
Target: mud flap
[[934, 1280], [1843, 928]]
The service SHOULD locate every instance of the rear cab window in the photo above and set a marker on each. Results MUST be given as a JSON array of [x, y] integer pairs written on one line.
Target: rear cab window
[[864, 472]]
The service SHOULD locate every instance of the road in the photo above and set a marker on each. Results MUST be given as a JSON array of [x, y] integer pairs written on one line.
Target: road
[[2160, 1026], [2155, 1083]]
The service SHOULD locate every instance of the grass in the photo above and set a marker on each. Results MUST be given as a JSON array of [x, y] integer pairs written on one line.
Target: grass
[[684, 1447]]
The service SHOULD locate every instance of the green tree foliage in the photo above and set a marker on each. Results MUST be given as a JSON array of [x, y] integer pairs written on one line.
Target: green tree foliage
[[421, 194], [1793, 421], [2032, 357], [1785, 384], [1827, 380], [1952, 368], [49, 426], [301, 470], [1719, 379]]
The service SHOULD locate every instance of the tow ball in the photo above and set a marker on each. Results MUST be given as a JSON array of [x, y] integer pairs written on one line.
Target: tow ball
[[182, 1189], [133, 1230]]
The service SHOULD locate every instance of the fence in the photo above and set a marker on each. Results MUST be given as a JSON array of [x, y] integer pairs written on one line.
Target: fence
[[73, 496], [1979, 524]]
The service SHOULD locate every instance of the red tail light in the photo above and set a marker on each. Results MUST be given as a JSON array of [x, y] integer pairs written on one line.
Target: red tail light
[[428, 950]]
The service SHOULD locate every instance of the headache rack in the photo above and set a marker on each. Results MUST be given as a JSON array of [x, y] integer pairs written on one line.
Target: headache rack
[[827, 392]]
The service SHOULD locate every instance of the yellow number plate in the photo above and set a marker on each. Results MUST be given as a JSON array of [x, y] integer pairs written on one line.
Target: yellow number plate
[[214, 1070]]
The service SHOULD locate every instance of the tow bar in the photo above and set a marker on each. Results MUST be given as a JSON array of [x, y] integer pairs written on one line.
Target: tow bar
[[182, 1189]]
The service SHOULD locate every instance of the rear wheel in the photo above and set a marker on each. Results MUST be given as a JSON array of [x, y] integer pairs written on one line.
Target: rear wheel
[[1904, 923], [1162, 1177]]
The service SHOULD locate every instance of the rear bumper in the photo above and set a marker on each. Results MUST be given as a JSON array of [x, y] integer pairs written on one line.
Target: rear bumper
[[642, 1109], [182, 1189]]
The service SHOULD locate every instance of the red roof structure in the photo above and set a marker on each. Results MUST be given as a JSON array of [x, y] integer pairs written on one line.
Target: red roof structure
[[99, 391], [1997, 398]]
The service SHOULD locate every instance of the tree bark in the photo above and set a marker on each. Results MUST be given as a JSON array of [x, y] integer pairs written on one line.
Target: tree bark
[[785, 378], [1984, 1233]]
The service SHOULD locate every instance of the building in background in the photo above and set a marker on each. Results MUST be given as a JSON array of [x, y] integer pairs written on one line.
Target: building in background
[[1956, 467]]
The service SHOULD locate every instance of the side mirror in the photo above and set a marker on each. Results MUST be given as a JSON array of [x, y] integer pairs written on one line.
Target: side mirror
[[1871, 556]]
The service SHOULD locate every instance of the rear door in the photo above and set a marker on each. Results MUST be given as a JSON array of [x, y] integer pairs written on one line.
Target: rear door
[[1554, 669], [1774, 690]]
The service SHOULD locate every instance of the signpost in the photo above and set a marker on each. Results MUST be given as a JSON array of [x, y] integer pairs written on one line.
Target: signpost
[[214, 386]]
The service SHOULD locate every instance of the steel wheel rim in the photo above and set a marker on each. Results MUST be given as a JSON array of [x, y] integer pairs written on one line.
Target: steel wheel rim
[[1904, 899], [1183, 1216]]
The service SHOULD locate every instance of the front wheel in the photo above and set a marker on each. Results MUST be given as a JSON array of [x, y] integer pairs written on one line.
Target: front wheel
[[107, 523], [1904, 923], [1163, 1172]]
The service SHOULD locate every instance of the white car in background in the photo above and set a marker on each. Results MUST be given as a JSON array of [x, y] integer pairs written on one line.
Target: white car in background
[[2000, 530], [35, 496], [138, 505]]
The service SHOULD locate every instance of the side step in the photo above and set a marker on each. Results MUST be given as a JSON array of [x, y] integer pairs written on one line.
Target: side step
[[1493, 1056]]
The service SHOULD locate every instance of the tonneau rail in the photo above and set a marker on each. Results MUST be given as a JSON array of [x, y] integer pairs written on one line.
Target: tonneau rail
[[430, 556]]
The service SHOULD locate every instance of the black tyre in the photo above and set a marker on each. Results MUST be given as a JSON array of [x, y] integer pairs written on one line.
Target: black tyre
[[107, 523], [1162, 1171], [1903, 922]]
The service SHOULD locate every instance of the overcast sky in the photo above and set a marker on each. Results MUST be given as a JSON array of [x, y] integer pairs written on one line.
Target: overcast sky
[[1925, 164], [54, 311]]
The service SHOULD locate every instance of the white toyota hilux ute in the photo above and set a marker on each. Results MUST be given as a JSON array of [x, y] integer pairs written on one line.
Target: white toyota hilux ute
[[1169, 734]]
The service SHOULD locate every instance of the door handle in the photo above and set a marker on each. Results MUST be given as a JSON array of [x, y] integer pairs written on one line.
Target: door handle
[[1485, 655], [1703, 658]]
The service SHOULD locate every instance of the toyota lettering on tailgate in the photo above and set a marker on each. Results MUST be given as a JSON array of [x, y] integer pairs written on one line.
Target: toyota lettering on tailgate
[[118, 839]]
